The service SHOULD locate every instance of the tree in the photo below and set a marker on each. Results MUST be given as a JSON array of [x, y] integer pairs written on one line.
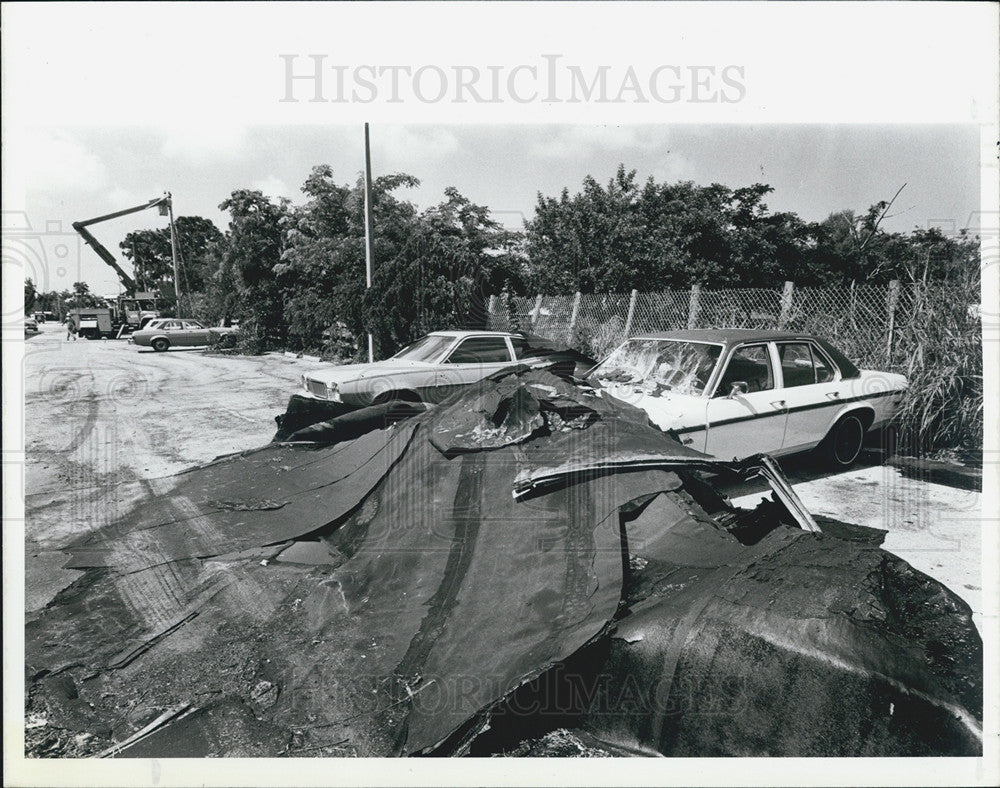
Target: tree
[[30, 294], [589, 242], [152, 257], [82, 298], [667, 236], [322, 271], [253, 247], [658, 237], [455, 257]]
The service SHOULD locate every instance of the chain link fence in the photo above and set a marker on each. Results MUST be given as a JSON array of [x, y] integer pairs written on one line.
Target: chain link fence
[[870, 323]]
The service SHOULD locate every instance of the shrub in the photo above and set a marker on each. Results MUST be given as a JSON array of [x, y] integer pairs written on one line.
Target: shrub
[[940, 347], [598, 341]]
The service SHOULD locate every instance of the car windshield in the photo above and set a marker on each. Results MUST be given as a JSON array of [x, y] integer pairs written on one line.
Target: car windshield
[[429, 348], [657, 365]]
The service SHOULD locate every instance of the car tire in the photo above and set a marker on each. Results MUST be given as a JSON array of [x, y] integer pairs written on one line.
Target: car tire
[[160, 344], [843, 444]]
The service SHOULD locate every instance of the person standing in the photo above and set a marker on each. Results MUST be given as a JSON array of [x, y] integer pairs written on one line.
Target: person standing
[[70, 329]]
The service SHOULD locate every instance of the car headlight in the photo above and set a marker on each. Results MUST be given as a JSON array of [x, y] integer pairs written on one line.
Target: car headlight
[[332, 392]]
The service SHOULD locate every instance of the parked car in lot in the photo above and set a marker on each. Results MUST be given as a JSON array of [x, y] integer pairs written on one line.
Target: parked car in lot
[[30, 326], [735, 393], [167, 332], [435, 366]]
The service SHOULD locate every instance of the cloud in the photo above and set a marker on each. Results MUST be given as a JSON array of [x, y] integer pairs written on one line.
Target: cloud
[[406, 148], [58, 162], [120, 196], [272, 187], [573, 142], [205, 143]]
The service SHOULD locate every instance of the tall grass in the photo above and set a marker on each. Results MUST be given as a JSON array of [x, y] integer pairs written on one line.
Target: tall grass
[[939, 348]]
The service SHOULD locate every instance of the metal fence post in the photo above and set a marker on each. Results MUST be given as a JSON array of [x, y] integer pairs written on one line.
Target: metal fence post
[[631, 314], [891, 301], [693, 304], [854, 325], [536, 311], [786, 303], [572, 319]]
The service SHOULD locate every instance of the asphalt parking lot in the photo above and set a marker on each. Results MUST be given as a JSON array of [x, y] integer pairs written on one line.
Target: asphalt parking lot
[[103, 419]]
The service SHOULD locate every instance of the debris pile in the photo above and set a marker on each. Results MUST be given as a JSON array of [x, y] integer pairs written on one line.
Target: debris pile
[[529, 561]]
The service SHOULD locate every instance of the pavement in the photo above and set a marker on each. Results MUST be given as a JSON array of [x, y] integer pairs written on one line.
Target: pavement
[[104, 419]]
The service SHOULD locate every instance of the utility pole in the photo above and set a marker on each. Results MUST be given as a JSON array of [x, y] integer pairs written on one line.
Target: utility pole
[[173, 253], [369, 241]]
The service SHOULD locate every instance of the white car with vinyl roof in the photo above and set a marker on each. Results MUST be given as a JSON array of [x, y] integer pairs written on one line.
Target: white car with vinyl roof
[[436, 366]]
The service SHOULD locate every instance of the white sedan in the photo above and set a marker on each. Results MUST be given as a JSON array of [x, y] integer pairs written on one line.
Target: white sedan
[[434, 367], [734, 393]]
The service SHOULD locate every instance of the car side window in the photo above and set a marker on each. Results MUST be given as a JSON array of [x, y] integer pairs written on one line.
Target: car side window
[[172, 325], [825, 371], [520, 346], [751, 365], [189, 324], [801, 365], [480, 350]]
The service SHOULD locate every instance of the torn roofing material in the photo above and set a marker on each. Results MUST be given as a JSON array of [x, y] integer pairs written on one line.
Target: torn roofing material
[[247, 500], [443, 596], [799, 644], [429, 549]]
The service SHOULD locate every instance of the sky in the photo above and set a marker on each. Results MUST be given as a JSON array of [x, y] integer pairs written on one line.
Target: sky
[[815, 169]]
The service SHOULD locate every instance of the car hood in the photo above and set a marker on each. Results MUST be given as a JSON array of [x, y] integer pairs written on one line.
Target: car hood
[[635, 395], [350, 372], [667, 410]]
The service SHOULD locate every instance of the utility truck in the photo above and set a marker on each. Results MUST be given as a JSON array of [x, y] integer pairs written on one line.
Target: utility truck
[[135, 307]]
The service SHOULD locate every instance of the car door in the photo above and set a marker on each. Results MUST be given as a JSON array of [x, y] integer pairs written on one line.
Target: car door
[[178, 333], [811, 388], [172, 328], [195, 333], [746, 414], [472, 359]]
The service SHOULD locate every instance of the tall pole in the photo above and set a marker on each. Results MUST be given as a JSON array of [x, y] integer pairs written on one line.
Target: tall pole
[[173, 254], [369, 241], [135, 267]]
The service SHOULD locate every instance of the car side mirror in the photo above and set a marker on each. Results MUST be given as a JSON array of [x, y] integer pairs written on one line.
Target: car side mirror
[[738, 387]]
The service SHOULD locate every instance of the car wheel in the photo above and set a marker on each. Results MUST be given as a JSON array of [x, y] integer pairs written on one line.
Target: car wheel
[[843, 445], [227, 341], [160, 344]]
